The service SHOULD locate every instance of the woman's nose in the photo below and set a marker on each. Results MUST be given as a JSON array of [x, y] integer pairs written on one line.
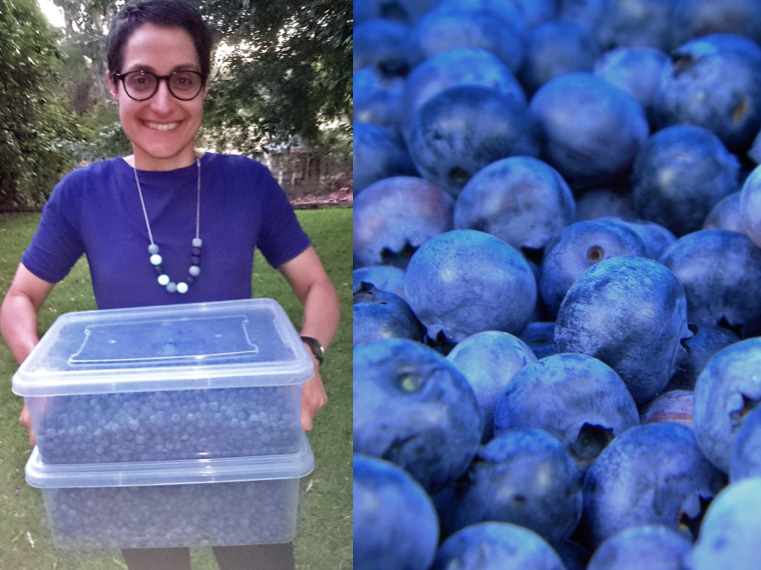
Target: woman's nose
[[162, 100]]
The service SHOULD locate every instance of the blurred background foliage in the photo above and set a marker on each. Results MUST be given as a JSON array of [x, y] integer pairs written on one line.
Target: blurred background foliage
[[281, 79]]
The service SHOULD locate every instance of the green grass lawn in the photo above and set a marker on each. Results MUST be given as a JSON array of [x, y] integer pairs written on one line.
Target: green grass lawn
[[323, 535]]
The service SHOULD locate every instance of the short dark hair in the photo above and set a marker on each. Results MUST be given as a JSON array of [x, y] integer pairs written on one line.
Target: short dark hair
[[164, 13]]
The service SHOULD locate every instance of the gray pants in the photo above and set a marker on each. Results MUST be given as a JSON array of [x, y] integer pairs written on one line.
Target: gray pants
[[257, 557]]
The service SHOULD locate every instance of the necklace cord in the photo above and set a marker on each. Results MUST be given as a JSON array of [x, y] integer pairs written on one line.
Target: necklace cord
[[142, 203], [198, 203]]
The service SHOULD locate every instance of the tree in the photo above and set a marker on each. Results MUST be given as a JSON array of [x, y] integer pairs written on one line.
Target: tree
[[33, 115], [84, 65], [286, 71]]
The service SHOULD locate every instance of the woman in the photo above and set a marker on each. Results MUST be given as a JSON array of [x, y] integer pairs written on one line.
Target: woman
[[168, 224]]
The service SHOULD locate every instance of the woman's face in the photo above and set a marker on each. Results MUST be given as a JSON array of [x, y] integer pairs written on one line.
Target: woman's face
[[163, 128]]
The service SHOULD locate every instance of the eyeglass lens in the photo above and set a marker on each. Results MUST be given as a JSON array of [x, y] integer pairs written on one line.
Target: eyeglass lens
[[142, 85]]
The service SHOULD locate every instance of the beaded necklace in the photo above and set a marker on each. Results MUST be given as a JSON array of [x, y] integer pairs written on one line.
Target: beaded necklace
[[156, 260]]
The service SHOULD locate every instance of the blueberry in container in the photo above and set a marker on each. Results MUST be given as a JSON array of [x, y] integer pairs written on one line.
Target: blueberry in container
[[198, 380], [223, 501]]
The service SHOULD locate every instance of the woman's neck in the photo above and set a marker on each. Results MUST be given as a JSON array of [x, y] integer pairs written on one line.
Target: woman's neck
[[141, 162]]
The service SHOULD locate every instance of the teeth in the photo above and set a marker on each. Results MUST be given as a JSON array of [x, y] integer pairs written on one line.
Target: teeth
[[162, 126]]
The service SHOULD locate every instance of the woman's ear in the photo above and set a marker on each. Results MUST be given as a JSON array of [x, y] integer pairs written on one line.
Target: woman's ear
[[112, 85]]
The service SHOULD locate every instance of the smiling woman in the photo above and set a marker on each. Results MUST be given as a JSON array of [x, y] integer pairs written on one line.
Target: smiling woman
[[144, 220], [161, 126]]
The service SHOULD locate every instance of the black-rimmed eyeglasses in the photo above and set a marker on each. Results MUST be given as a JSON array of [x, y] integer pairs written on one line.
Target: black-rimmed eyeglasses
[[142, 85]]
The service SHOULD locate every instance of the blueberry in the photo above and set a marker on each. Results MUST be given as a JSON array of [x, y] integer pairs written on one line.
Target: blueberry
[[574, 555], [377, 98], [579, 246], [458, 283], [378, 153], [489, 360], [496, 546], [521, 200], [636, 70], [750, 205], [656, 237], [725, 392], [405, 11], [726, 214], [699, 17], [135, 426], [720, 271], [680, 174], [383, 44], [380, 314], [636, 23], [591, 130], [557, 47], [730, 529], [449, 26], [630, 313], [394, 522], [745, 460], [585, 12], [653, 473], [672, 406], [463, 129], [718, 91], [642, 548], [604, 202], [457, 66], [383, 277], [395, 216], [707, 340], [415, 408], [574, 397], [522, 476]]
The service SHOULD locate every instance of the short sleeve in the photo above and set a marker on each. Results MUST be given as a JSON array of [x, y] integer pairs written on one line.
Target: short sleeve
[[281, 237], [56, 245]]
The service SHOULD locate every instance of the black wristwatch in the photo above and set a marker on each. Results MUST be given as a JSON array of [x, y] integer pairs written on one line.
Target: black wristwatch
[[316, 348]]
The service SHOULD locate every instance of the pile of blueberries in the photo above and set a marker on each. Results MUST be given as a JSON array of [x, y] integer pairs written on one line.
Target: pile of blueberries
[[214, 514], [167, 425], [557, 284]]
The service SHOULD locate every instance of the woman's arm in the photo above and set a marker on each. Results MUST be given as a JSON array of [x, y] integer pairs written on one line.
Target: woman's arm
[[18, 321], [308, 279]]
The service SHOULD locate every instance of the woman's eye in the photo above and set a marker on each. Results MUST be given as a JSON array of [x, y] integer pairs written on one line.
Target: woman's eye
[[184, 81], [140, 81]]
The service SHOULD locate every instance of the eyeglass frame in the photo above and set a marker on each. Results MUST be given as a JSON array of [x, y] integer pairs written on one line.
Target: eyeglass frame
[[121, 76]]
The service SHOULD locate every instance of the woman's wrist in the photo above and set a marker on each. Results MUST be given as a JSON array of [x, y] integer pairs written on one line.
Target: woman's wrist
[[315, 348]]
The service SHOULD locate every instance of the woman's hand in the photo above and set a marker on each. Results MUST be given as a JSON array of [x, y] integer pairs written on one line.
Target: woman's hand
[[313, 397], [26, 420], [18, 322], [312, 286]]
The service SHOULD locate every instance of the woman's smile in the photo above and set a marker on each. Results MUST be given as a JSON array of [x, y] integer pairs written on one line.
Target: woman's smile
[[161, 126]]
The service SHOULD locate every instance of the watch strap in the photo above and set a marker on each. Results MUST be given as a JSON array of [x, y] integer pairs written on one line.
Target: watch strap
[[315, 346]]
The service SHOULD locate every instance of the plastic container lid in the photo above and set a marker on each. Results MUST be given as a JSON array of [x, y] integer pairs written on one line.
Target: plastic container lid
[[180, 472], [222, 344]]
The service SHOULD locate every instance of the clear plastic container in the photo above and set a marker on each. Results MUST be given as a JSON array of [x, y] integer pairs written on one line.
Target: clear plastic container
[[191, 502], [198, 380]]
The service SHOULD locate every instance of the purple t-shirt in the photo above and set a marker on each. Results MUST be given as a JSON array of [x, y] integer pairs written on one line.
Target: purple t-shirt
[[95, 210]]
